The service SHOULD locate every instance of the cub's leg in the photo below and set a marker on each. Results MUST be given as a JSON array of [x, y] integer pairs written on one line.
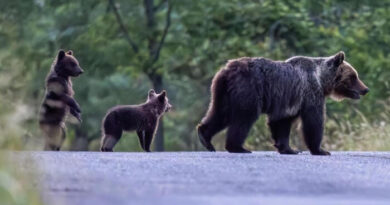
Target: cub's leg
[[111, 135], [145, 138], [108, 142], [280, 130], [238, 130], [141, 137], [54, 136], [312, 121]]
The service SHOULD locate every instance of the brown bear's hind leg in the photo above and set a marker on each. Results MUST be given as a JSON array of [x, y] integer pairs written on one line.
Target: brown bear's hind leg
[[206, 133], [280, 131], [211, 125], [238, 131]]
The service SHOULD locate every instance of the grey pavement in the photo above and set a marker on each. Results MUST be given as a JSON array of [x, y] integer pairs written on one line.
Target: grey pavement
[[80, 178]]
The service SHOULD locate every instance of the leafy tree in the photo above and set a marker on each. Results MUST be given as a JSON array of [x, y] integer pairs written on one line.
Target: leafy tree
[[127, 47]]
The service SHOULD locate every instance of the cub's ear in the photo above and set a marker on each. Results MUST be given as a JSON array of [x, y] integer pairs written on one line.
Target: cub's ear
[[151, 93], [162, 95], [338, 59], [60, 55], [70, 52]]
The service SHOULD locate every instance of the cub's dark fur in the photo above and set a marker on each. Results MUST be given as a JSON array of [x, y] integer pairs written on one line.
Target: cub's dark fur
[[142, 118], [284, 90], [59, 99]]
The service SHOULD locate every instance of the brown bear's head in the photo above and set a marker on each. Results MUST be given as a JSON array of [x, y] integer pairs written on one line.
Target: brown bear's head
[[67, 65], [346, 83], [160, 100]]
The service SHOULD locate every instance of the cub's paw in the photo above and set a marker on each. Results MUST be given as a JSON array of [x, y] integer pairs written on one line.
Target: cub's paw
[[76, 114], [78, 117], [320, 152], [103, 149], [77, 108]]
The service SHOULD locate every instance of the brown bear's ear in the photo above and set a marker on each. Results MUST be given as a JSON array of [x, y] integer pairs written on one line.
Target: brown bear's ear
[[61, 55], [151, 93], [70, 52], [162, 95], [338, 59]]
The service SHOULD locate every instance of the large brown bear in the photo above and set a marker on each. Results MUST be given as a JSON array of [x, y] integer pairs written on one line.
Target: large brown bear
[[141, 118], [59, 99], [285, 91]]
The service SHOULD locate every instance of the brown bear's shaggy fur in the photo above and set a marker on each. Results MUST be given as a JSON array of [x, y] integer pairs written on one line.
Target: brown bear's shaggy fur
[[284, 90], [142, 118], [59, 99]]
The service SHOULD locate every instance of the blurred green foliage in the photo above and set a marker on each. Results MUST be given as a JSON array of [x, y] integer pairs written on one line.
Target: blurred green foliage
[[202, 36], [15, 186]]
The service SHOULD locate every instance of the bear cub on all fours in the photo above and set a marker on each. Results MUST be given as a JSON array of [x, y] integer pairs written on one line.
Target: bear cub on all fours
[[59, 101], [285, 91], [141, 118]]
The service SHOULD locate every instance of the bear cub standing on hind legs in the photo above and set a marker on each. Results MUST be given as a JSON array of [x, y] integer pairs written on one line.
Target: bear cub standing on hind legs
[[142, 118], [59, 101], [285, 91]]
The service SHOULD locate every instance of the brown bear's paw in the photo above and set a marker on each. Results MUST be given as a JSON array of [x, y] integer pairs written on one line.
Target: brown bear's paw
[[288, 151], [237, 150], [205, 142], [320, 152]]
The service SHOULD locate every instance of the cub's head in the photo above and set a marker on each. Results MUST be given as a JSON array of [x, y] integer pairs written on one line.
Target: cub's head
[[160, 101], [67, 65], [346, 82]]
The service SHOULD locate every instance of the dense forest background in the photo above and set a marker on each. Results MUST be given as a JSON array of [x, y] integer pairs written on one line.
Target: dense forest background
[[127, 47]]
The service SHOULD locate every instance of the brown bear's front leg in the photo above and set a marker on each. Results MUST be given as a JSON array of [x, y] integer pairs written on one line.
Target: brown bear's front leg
[[280, 130], [313, 127]]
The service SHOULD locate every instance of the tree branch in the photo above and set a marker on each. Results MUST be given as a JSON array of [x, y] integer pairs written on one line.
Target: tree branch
[[165, 32], [122, 26], [159, 5]]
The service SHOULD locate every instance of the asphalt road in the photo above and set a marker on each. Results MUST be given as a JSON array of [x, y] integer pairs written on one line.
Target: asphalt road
[[187, 178]]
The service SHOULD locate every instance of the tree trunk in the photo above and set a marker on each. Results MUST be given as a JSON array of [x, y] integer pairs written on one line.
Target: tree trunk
[[159, 138], [154, 48], [154, 77]]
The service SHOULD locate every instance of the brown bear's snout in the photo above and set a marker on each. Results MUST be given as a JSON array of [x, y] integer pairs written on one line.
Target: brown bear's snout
[[364, 91]]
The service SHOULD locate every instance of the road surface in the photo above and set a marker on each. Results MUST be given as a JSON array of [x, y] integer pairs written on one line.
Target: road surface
[[189, 178]]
